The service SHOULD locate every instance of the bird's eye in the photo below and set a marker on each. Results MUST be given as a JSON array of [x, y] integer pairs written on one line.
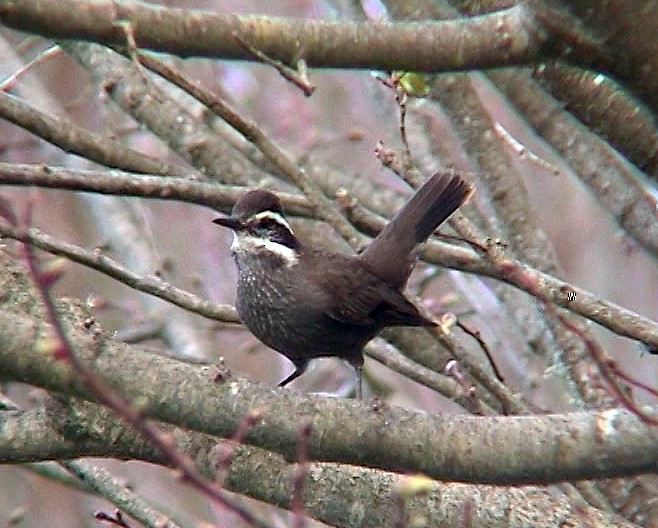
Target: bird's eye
[[267, 225], [274, 230]]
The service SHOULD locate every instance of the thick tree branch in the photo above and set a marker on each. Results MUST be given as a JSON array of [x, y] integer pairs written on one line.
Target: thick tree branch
[[505, 37], [572, 446], [626, 32], [609, 178], [527, 33], [331, 491], [516, 221], [607, 110]]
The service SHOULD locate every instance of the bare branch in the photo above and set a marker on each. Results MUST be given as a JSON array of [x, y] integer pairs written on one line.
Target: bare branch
[[350, 485], [588, 445], [610, 315], [501, 38]]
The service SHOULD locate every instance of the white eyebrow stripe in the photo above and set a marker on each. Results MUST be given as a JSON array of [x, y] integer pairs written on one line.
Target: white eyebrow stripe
[[274, 216]]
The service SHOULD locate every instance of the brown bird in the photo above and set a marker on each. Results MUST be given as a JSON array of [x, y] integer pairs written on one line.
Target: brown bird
[[307, 302]]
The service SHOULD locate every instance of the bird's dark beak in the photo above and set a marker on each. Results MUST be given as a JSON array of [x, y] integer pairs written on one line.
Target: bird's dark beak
[[229, 221]]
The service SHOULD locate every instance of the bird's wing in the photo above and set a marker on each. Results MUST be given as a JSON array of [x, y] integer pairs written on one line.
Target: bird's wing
[[356, 296]]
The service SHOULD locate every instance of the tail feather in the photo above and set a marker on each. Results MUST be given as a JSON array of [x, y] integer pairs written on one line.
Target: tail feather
[[390, 256]]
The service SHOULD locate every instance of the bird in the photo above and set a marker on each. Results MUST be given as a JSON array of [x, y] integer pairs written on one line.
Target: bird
[[307, 302]]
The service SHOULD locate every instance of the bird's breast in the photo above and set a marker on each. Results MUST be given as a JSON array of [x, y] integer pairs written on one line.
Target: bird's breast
[[285, 310]]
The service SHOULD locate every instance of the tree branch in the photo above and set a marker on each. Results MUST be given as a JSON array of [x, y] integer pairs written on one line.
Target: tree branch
[[572, 446], [502, 38], [616, 318], [331, 491]]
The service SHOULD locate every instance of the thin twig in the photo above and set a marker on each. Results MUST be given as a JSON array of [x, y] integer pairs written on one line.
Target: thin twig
[[153, 285], [299, 474], [297, 77], [47, 54], [475, 334], [609, 370], [226, 449]]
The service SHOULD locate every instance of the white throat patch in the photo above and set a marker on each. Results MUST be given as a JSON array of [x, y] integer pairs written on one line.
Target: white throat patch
[[249, 243]]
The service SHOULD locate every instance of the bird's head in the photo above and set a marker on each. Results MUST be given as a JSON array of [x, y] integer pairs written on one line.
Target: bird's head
[[259, 226]]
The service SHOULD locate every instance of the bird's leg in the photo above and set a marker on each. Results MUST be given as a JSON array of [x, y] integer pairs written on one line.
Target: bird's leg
[[357, 365], [359, 382], [300, 368]]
